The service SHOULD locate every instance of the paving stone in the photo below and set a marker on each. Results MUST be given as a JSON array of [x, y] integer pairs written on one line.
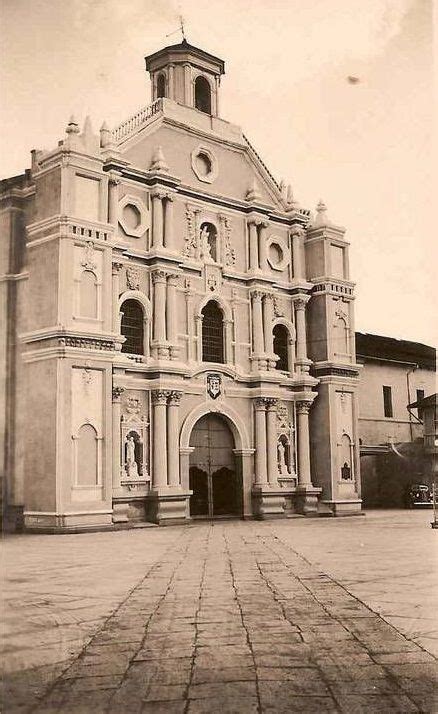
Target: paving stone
[[211, 705], [182, 624], [223, 689], [223, 674], [416, 657], [375, 704], [162, 693], [284, 703], [163, 708], [297, 680], [346, 671]]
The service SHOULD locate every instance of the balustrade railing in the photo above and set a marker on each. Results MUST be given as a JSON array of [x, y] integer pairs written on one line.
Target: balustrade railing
[[141, 117]]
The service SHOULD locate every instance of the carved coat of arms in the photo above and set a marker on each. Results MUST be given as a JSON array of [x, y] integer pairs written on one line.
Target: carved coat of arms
[[214, 385]]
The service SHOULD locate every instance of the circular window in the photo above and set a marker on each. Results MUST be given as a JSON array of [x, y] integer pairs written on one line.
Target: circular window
[[204, 164], [278, 253], [275, 253], [134, 216], [131, 216]]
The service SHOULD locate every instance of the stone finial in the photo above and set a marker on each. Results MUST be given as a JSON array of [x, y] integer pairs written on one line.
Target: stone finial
[[72, 126], [321, 215], [253, 193], [158, 161], [90, 141], [283, 190], [105, 136]]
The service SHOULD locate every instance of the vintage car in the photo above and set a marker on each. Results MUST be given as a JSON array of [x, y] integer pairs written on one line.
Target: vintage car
[[418, 495]]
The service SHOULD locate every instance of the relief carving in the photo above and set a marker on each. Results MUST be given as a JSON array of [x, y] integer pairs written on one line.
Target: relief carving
[[88, 261], [191, 239], [133, 278]]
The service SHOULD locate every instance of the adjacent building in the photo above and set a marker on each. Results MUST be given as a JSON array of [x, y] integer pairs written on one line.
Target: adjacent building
[[396, 376], [179, 332]]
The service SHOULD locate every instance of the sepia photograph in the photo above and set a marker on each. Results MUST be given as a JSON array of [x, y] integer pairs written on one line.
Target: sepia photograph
[[218, 332]]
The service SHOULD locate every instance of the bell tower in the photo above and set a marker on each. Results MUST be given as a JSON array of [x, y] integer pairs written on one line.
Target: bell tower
[[186, 75]]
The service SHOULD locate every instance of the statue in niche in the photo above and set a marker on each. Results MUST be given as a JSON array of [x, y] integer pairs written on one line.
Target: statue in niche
[[132, 455], [205, 245], [346, 472], [282, 456], [207, 239]]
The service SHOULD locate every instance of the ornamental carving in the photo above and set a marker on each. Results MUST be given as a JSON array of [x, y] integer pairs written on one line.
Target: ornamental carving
[[133, 275], [297, 231], [174, 398], [117, 393], [159, 276], [133, 405], [342, 315], [229, 251], [284, 423], [191, 238], [303, 407], [88, 261], [279, 307], [159, 396]]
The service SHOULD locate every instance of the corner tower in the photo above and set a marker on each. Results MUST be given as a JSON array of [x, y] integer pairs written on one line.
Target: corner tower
[[187, 75]]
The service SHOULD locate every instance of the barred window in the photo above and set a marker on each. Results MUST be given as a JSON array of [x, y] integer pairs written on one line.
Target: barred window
[[161, 86], [212, 333], [281, 347], [203, 95], [132, 327]]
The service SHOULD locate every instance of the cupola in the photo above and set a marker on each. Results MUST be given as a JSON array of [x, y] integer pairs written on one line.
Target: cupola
[[187, 75]]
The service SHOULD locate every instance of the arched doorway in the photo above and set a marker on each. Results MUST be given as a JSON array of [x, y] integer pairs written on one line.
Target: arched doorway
[[213, 478]]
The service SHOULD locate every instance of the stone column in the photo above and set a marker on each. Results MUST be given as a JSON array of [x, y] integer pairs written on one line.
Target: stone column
[[170, 82], [198, 319], [300, 319], [116, 268], [159, 401], [260, 442], [217, 85], [171, 309], [113, 199], [159, 314], [168, 222], [116, 421], [304, 478], [253, 245], [173, 439], [263, 246], [257, 323], [187, 84], [297, 234], [268, 319], [157, 219], [271, 431], [189, 319], [228, 330]]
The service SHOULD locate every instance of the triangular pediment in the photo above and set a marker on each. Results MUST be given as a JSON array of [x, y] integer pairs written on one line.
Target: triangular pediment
[[181, 133]]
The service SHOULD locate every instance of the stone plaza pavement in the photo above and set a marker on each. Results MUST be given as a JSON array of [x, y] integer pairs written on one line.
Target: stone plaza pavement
[[298, 615]]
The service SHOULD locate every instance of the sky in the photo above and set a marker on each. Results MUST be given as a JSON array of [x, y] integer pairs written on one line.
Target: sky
[[364, 148]]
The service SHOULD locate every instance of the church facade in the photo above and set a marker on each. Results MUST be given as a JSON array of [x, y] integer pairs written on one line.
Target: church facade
[[179, 331]]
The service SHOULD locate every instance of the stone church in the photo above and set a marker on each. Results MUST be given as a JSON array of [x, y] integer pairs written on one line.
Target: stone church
[[179, 332]]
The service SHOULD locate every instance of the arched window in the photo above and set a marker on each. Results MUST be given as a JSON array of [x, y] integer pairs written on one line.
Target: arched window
[[133, 327], [88, 295], [203, 95], [161, 86], [281, 340], [209, 241], [87, 474], [212, 333], [345, 457], [340, 334]]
